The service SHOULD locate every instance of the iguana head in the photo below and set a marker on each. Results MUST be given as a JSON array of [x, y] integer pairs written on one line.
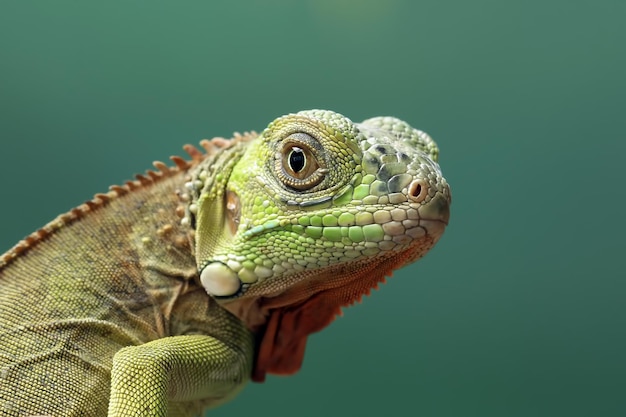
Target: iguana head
[[310, 216]]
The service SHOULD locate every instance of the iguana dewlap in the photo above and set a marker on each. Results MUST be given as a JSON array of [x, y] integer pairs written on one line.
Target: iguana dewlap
[[167, 294]]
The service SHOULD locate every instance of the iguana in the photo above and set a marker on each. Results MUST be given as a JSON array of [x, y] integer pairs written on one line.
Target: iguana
[[167, 294]]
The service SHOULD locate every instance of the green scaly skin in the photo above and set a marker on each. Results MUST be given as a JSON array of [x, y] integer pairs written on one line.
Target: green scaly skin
[[166, 295]]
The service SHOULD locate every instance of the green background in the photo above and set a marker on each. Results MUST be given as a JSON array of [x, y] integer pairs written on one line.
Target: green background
[[519, 311]]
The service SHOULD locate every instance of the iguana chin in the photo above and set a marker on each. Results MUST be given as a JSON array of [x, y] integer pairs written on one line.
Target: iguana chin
[[165, 295]]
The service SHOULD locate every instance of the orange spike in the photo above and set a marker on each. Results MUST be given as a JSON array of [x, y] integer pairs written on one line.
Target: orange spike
[[119, 190], [143, 180], [20, 247], [100, 196], [65, 217], [223, 143], [153, 175], [161, 167], [195, 154], [132, 185], [91, 205], [208, 146], [180, 162]]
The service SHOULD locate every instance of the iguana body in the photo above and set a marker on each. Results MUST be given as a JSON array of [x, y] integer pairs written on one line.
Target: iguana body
[[166, 295]]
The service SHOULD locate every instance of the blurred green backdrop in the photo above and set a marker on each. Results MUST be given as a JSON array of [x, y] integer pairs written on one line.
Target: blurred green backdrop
[[519, 311]]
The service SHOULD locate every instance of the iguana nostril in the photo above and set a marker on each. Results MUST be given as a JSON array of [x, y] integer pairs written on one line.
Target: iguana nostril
[[418, 190]]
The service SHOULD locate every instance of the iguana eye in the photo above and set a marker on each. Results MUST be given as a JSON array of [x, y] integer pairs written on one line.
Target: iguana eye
[[299, 167]]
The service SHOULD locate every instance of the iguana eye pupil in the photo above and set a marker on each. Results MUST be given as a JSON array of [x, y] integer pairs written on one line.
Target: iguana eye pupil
[[297, 159]]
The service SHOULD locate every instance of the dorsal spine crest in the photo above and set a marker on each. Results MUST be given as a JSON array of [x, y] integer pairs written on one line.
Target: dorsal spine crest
[[100, 200]]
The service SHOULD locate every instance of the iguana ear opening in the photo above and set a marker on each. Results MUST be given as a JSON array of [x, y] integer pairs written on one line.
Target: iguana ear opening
[[290, 322], [233, 211]]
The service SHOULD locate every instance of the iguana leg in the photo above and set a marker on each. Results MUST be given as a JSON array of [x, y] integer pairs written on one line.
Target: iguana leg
[[193, 369]]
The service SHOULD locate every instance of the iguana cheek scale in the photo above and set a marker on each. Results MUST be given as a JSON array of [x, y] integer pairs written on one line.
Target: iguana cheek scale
[[165, 295]]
